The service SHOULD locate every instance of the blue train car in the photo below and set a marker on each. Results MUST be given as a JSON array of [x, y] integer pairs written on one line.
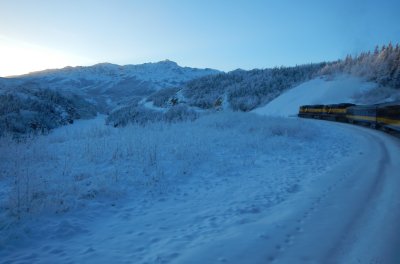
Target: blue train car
[[362, 115], [388, 116]]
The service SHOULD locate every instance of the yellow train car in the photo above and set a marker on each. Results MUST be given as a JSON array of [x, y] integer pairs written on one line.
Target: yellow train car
[[311, 111], [380, 116], [337, 112], [334, 112]]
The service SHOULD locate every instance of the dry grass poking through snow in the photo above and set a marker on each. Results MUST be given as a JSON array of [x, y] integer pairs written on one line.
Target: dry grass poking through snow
[[90, 162]]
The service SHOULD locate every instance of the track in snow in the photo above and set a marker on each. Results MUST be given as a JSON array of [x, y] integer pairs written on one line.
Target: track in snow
[[349, 216], [355, 217]]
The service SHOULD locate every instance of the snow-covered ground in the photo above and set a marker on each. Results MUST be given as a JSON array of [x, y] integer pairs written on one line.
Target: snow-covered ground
[[155, 194], [226, 188], [347, 215], [340, 89]]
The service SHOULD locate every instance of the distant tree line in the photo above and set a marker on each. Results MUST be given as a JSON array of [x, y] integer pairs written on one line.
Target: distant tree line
[[381, 66]]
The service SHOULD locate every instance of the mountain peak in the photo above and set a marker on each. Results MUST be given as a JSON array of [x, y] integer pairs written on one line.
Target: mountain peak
[[168, 62], [105, 64]]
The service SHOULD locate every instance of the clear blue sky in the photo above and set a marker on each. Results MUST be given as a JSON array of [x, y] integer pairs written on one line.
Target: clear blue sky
[[37, 34]]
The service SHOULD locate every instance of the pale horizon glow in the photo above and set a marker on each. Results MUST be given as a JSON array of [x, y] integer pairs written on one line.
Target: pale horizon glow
[[18, 58], [224, 35]]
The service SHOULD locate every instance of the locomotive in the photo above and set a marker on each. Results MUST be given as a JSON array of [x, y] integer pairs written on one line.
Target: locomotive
[[384, 116]]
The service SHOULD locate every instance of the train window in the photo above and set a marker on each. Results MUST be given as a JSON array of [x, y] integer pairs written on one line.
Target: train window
[[392, 112]]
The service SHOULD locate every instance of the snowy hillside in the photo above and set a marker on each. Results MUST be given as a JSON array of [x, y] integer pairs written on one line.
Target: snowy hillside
[[246, 90], [339, 89]]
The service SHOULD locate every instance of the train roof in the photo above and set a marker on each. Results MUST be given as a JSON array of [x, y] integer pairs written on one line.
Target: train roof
[[350, 105], [313, 106], [341, 105], [364, 106], [329, 105], [394, 104]]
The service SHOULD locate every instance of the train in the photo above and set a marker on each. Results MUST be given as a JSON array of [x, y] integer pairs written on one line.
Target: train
[[385, 116]]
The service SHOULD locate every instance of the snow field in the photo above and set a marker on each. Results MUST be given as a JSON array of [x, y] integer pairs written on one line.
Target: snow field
[[152, 194], [338, 89]]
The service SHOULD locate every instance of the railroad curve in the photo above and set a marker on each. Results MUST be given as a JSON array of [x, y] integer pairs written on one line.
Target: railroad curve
[[354, 218], [350, 215], [373, 234]]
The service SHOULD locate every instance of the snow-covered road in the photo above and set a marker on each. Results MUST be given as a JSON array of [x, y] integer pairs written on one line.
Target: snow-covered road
[[350, 216]]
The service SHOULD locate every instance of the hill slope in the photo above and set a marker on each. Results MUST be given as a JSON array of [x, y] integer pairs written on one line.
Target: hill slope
[[340, 89]]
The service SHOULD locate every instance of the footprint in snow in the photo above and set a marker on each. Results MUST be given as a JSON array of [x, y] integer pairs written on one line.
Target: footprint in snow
[[89, 250], [57, 251]]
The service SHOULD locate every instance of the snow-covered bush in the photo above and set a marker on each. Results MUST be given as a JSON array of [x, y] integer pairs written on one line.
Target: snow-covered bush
[[162, 97], [24, 110], [132, 114], [141, 115], [179, 113]]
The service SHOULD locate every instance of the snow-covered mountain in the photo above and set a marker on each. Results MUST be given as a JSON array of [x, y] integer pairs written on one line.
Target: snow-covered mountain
[[108, 85], [160, 74]]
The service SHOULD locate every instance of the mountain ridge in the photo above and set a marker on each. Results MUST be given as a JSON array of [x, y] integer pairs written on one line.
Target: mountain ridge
[[110, 84], [150, 70]]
